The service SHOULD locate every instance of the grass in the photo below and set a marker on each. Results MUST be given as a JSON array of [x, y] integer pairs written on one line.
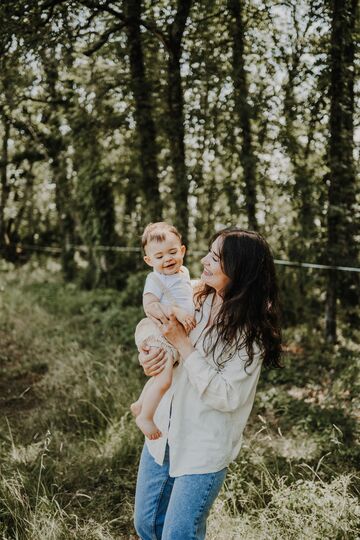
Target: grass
[[69, 448]]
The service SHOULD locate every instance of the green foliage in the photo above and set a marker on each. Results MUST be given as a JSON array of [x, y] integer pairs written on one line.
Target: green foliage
[[70, 87], [112, 118], [132, 294]]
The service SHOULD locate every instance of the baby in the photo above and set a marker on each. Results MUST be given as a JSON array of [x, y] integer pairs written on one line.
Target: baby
[[167, 290]]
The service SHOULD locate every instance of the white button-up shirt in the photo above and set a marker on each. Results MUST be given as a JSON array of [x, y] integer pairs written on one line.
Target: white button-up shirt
[[203, 414]]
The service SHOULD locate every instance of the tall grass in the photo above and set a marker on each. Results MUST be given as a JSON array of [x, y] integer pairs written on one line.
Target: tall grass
[[69, 447], [303, 510]]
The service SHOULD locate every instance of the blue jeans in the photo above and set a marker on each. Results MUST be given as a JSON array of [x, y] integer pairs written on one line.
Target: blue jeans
[[173, 508]]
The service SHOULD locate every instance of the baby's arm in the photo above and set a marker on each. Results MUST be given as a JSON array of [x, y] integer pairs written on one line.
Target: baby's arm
[[158, 312], [154, 310]]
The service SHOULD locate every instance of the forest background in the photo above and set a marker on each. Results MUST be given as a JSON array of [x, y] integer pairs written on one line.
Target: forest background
[[205, 114]]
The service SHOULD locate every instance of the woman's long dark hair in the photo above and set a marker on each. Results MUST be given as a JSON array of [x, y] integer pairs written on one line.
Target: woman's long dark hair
[[249, 313]]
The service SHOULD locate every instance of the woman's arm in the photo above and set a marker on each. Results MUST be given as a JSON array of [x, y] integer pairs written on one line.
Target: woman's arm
[[223, 389]]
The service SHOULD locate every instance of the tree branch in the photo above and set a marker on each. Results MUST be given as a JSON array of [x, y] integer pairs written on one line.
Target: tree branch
[[38, 100], [177, 27], [103, 7], [103, 39], [209, 17], [153, 28]]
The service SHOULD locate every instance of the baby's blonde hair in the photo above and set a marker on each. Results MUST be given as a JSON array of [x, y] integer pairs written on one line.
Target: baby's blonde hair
[[157, 232]]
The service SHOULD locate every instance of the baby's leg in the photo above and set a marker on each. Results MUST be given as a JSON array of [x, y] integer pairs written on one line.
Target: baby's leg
[[136, 406], [147, 331], [152, 395], [155, 340]]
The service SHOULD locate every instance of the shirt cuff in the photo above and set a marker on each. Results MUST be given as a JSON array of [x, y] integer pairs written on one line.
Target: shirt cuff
[[191, 355]]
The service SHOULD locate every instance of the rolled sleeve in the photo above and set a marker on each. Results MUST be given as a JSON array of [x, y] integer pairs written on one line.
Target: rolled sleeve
[[227, 388]]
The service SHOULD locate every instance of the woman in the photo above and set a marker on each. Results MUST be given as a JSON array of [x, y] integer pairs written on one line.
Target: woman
[[203, 414]]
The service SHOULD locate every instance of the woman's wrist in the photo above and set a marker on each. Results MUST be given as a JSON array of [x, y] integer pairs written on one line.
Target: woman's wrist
[[185, 348]]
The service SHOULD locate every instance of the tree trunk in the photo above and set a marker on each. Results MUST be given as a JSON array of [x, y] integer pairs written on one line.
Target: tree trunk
[[25, 212], [95, 202], [55, 146], [302, 175], [243, 109], [176, 129], [341, 195], [4, 194], [146, 131], [66, 220], [330, 307]]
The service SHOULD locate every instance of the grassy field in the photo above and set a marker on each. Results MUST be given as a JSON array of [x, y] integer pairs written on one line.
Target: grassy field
[[69, 446]]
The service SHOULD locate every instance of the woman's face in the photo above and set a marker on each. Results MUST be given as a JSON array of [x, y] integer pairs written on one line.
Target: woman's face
[[213, 274]]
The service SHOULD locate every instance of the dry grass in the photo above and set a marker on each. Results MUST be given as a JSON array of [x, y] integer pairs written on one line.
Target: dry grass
[[69, 447]]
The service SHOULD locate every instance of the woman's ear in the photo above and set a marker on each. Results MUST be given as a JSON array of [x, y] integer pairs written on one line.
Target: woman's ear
[[148, 260]]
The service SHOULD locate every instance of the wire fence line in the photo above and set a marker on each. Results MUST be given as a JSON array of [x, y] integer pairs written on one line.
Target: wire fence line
[[128, 249]]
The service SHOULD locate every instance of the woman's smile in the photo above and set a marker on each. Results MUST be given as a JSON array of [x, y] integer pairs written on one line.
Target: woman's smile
[[213, 274]]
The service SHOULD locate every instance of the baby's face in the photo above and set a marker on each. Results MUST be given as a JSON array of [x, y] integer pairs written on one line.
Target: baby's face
[[166, 256]]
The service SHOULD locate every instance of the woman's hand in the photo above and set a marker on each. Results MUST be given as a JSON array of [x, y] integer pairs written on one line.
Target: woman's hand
[[176, 336], [152, 359], [188, 321]]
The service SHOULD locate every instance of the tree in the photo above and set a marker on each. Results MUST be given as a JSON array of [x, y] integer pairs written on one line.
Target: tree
[[243, 108], [341, 227], [16, 161], [56, 147], [4, 193], [176, 119], [146, 131], [95, 200]]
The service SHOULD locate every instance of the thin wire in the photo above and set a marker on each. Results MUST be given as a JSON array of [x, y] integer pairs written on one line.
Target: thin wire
[[320, 266], [129, 249]]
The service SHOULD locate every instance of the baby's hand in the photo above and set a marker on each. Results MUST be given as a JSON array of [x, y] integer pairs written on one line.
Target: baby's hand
[[187, 320]]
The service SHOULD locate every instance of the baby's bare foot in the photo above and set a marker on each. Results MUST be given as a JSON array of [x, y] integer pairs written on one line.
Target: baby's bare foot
[[135, 408], [148, 427]]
